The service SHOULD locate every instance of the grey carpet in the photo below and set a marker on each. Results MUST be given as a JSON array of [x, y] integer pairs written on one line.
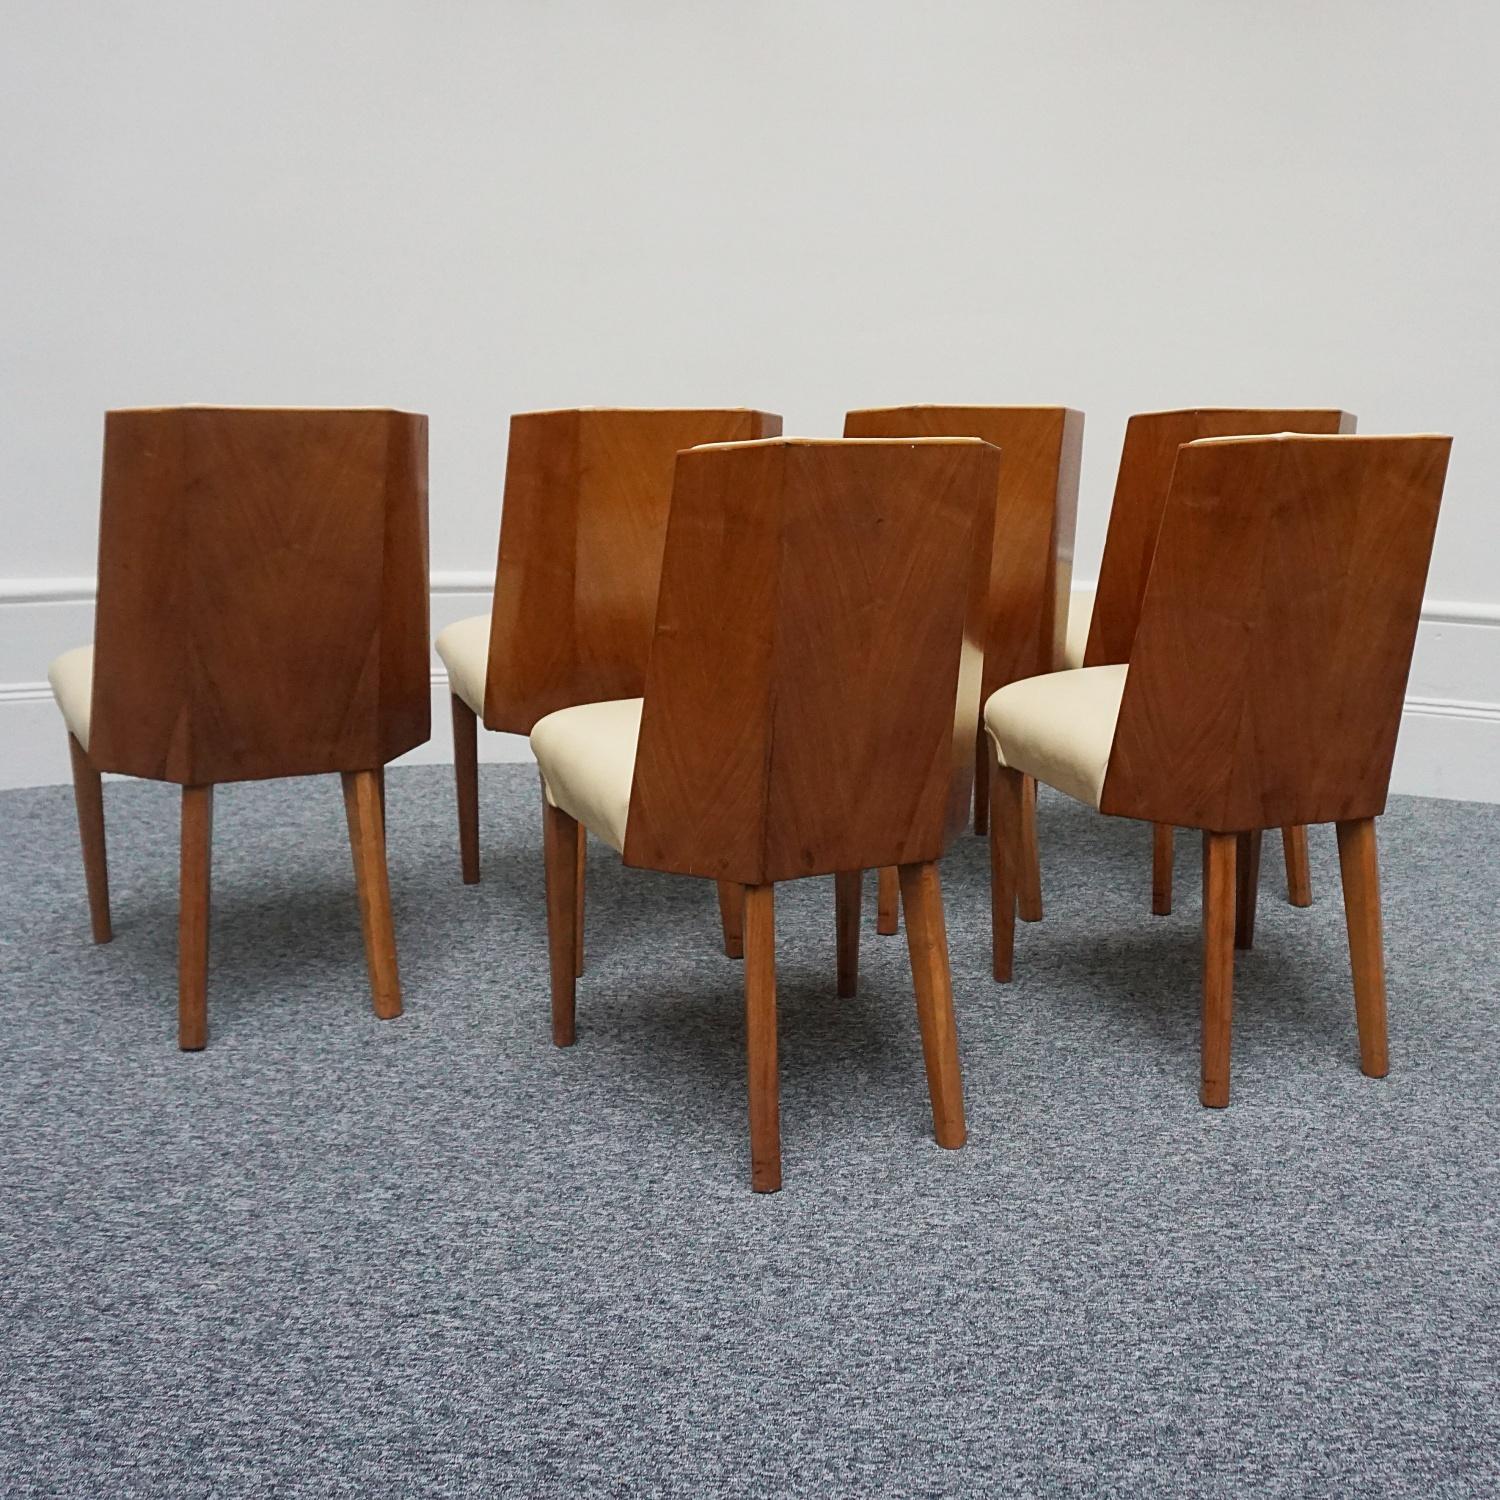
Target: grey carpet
[[335, 1256]]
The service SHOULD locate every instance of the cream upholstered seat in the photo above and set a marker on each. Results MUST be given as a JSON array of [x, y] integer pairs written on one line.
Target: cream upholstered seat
[[72, 680], [587, 758], [465, 651], [1059, 727], [1076, 641]]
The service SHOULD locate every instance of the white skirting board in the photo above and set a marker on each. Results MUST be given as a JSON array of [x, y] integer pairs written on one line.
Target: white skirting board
[[1449, 746]]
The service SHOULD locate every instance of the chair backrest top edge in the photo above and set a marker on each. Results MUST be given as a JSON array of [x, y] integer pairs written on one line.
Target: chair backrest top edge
[[841, 442], [1010, 406]]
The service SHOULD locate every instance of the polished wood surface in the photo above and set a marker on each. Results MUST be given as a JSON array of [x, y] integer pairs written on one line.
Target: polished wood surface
[[809, 709], [1163, 851], [1298, 869], [88, 795], [927, 941], [1219, 853], [1266, 684], [814, 680], [759, 905], [1361, 879], [731, 918], [193, 917], [1036, 516], [1005, 866], [579, 884], [1031, 560], [262, 612], [365, 815], [560, 857], [1029, 893], [581, 533], [848, 892], [1246, 887], [1270, 665], [466, 783], [888, 902], [1152, 440], [262, 593]]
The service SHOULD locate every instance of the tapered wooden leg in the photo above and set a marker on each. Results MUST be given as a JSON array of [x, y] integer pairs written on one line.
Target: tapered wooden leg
[[887, 902], [466, 784], [583, 853], [560, 853], [192, 917], [731, 914], [372, 883], [1246, 886], [1005, 858], [1029, 891], [848, 893], [88, 796], [759, 906], [1298, 872], [1360, 870], [981, 782], [1161, 869], [1218, 965], [927, 942]]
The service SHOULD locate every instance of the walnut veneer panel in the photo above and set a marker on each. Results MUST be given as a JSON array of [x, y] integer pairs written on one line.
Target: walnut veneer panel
[[1270, 664], [262, 593], [1151, 443], [815, 675], [586, 499]]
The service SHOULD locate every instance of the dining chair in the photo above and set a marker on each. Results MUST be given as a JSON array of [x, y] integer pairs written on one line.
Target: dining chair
[[1103, 634], [262, 612], [1031, 573], [808, 710], [1263, 690], [581, 530]]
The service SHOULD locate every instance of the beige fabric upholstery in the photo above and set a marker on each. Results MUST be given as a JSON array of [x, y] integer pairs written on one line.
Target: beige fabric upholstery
[[587, 756], [72, 679], [465, 649], [1059, 727], [1076, 640]]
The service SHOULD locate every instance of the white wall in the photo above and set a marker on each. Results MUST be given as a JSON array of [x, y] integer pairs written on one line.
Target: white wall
[[469, 209]]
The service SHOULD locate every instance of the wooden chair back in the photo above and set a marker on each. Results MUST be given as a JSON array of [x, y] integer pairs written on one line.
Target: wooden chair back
[[1266, 684], [581, 533], [262, 593], [1036, 514], [815, 670], [1151, 443]]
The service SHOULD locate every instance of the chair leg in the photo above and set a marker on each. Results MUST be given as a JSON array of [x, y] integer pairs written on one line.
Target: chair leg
[[192, 917], [1005, 856], [560, 856], [731, 918], [1161, 869], [927, 942], [981, 782], [466, 784], [887, 902], [583, 853], [88, 797], [1360, 870], [759, 905], [373, 886], [848, 898], [1029, 892], [1246, 886], [1298, 871], [1218, 965]]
